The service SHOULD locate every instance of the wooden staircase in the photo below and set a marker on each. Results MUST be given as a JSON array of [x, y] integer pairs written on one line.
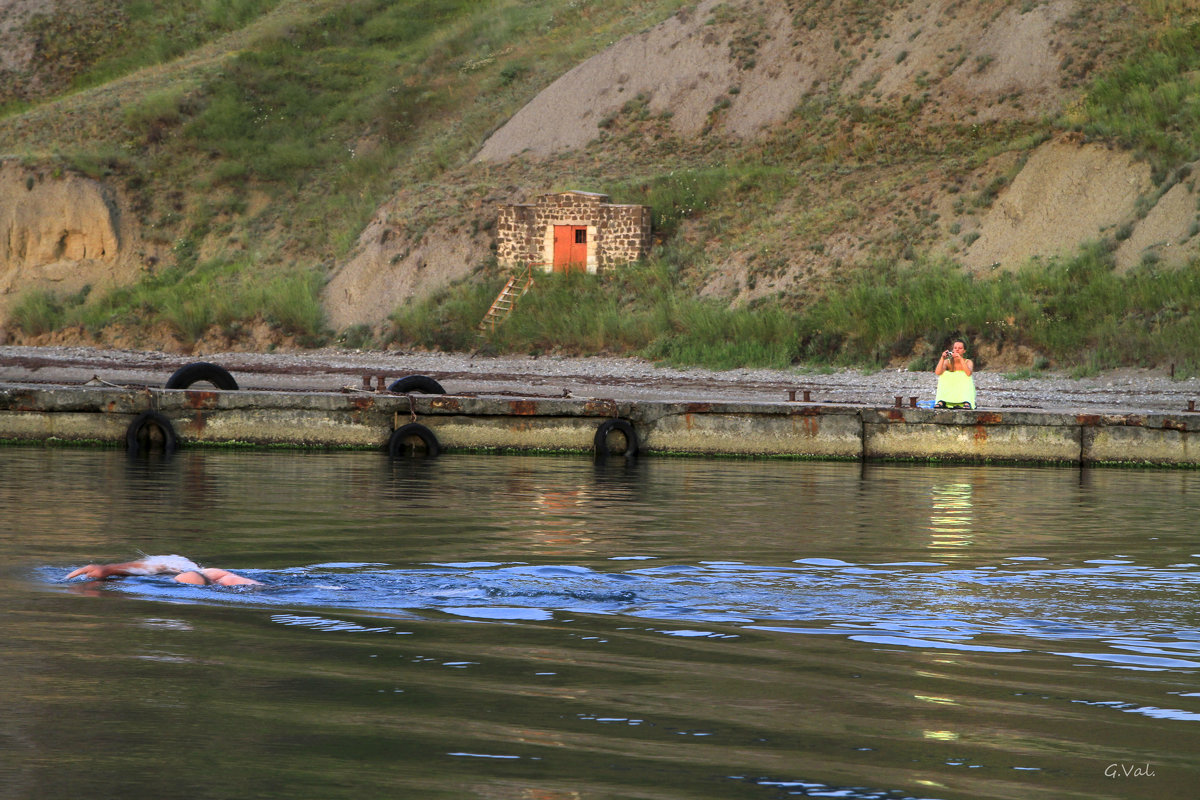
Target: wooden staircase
[[506, 301]]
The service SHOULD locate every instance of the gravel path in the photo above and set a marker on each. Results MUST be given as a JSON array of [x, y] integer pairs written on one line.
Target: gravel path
[[616, 378]]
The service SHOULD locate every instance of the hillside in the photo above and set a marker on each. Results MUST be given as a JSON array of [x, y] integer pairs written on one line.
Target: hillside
[[317, 166]]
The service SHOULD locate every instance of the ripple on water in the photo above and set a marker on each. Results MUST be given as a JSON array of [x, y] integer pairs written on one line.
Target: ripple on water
[[1129, 615]]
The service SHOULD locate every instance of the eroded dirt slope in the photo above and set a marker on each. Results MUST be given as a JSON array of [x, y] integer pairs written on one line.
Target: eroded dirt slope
[[740, 68]]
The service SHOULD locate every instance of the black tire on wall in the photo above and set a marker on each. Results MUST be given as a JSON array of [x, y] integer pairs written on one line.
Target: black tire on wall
[[625, 428], [401, 443], [419, 384], [197, 371], [139, 436]]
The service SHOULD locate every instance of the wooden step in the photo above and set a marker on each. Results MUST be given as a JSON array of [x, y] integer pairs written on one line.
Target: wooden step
[[506, 301]]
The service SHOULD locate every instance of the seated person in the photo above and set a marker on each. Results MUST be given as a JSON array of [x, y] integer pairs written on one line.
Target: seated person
[[182, 569], [956, 387]]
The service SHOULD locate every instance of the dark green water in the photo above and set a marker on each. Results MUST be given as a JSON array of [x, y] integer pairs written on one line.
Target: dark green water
[[545, 629]]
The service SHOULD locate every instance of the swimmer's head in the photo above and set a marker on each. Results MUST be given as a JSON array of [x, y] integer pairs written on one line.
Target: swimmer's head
[[164, 565]]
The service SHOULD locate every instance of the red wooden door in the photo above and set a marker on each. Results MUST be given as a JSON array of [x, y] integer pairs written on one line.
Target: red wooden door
[[570, 248]]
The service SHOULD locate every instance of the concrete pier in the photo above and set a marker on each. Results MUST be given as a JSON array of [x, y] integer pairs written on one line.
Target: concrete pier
[[101, 414]]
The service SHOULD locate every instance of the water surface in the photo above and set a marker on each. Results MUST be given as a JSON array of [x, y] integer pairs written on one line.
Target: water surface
[[535, 627]]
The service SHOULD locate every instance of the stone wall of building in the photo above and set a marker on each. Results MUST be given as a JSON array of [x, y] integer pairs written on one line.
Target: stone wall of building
[[617, 234], [623, 234], [513, 244]]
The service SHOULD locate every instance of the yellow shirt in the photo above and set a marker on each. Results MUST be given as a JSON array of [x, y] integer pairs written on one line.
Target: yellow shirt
[[955, 387]]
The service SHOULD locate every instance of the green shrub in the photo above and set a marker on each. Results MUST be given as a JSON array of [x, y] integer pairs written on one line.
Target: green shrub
[[38, 311], [161, 108], [708, 333], [675, 196], [293, 302], [448, 319], [1151, 102]]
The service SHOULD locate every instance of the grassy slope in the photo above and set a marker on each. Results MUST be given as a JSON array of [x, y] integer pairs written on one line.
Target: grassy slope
[[258, 155], [261, 150]]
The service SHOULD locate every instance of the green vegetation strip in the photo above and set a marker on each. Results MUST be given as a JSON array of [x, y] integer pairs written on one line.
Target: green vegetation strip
[[1078, 311]]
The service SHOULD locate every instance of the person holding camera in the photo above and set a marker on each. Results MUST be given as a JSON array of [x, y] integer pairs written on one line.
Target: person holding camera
[[956, 387]]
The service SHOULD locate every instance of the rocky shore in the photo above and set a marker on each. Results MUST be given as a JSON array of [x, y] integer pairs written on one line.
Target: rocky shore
[[600, 377]]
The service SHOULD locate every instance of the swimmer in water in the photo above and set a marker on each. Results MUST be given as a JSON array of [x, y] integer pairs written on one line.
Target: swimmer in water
[[182, 569]]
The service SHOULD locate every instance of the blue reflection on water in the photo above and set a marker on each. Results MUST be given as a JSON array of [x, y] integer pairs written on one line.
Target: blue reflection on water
[[1115, 612]]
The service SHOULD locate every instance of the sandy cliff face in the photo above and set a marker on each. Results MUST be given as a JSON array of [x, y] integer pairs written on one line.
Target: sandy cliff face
[[1066, 193], [682, 66], [1069, 192], [60, 233], [389, 268], [739, 67]]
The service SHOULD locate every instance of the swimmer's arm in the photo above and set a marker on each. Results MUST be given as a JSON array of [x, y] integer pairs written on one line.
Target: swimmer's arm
[[104, 571]]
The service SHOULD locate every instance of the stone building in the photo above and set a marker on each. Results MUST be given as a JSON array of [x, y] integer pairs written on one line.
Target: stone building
[[572, 231]]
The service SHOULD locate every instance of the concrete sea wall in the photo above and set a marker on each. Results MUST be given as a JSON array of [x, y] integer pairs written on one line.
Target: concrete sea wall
[[463, 422]]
